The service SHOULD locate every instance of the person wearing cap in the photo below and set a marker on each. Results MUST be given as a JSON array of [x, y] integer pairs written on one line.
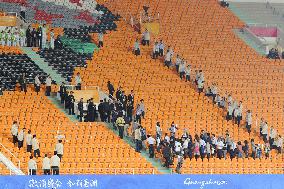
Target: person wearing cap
[[151, 141]]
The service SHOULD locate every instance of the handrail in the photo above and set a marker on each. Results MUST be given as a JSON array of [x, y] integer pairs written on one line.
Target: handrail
[[19, 162]]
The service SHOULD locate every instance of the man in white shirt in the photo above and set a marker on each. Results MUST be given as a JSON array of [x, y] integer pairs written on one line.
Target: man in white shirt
[[220, 146], [264, 131], [158, 130], [35, 145], [101, 39], [137, 137], [178, 147], [78, 81], [161, 48], [279, 144], [32, 166], [262, 122], [272, 136], [168, 59], [59, 149], [146, 37], [151, 141], [14, 131], [29, 138], [46, 165], [48, 82], [55, 163], [37, 84], [178, 61], [173, 129], [167, 138], [21, 138]]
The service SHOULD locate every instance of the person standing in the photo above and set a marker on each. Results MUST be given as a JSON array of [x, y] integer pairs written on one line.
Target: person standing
[[264, 131], [167, 155], [151, 141], [23, 11], [91, 111], [35, 145], [29, 138], [137, 48], [39, 37], [23, 82], [44, 36], [101, 39], [248, 121], [272, 135], [32, 166], [62, 92], [146, 37], [14, 131], [52, 39], [59, 149], [55, 163], [110, 89], [137, 137], [78, 81], [187, 73], [120, 122], [21, 136], [29, 36], [22, 37], [37, 84], [48, 82], [46, 165], [161, 48], [81, 109], [156, 50], [181, 69]]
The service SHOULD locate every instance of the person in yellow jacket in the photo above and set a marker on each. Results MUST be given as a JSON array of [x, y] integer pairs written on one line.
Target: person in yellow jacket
[[120, 122]]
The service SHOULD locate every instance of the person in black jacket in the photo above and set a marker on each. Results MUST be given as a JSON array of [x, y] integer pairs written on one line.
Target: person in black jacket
[[101, 110], [91, 111], [23, 82], [118, 93], [71, 103], [34, 38], [167, 155], [62, 92], [81, 109], [29, 36], [39, 37], [110, 89]]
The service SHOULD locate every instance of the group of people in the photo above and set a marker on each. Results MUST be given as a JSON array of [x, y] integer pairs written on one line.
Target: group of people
[[30, 37], [37, 83], [37, 37], [19, 135], [274, 54], [13, 36]]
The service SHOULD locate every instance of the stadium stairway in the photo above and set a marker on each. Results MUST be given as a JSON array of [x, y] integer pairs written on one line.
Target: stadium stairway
[[43, 65], [249, 41]]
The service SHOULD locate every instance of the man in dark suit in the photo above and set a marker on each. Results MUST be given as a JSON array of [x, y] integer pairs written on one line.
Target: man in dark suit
[[71, 103], [91, 111], [62, 92], [118, 93], [81, 109], [110, 89], [101, 110], [130, 98], [23, 82], [167, 155], [29, 36]]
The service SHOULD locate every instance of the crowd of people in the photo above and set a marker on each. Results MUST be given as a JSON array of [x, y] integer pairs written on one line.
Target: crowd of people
[[274, 54], [30, 37], [19, 137]]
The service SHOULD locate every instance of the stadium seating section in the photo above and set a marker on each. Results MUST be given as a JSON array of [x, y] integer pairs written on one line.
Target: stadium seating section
[[13, 64], [88, 148], [206, 41]]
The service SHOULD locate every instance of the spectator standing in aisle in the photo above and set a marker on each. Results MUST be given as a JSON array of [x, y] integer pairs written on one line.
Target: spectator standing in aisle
[[101, 39], [71, 103], [262, 122], [181, 69], [264, 131], [272, 135], [178, 62], [91, 111], [46, 165], [248, 121], [253, 148], [37, 84], [23, 82], [158, 130], [110, 89], [55, 164], [48, 85], [120, 122], [137, 137], [161, 48], [151, 141], [29, 36], [279, 144], [14, 131], [219, 147], [81, 109], [32, 166], [187, 73], [39, 37], [52, 39], [78, 81], [22, 37], [137, 48], [146, 37], [44, 36], [29, 138], [21, 136], [35, 145], [167, 155], [168, 59], [156, 50], [62, 92], [59, 149]]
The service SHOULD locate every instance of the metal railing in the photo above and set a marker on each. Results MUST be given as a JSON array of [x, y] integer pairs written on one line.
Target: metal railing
[[10, 155]]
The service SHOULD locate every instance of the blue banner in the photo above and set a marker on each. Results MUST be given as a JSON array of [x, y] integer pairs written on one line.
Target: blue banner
[[144, 182]]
